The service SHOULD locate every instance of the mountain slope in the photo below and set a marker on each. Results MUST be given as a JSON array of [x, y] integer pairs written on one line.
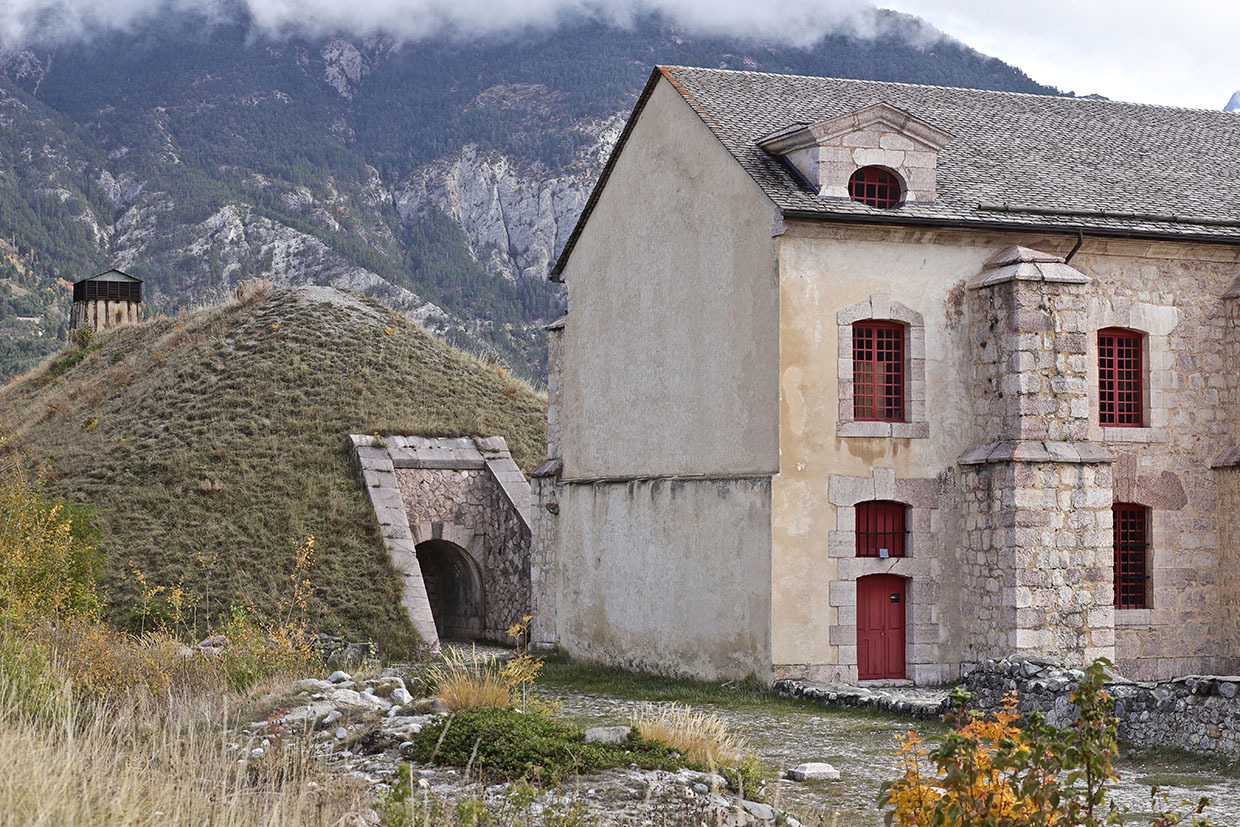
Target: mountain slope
[[440, 176], [212, 444]]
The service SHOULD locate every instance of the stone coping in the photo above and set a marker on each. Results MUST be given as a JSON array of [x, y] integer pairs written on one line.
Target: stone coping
[[907, 701], [1031, 451], [452, 454]]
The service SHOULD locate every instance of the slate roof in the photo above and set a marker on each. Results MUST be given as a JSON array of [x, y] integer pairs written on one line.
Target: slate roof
[[1058, 163]]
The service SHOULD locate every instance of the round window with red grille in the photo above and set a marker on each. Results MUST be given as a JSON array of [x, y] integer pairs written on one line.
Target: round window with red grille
[[876, 187]]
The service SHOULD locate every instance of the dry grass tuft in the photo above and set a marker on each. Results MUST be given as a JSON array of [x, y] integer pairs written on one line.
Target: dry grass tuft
[[467, 679], [700, 736]]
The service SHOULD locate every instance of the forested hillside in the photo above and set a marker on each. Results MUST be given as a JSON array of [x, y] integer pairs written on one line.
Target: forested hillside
[[441, 176]]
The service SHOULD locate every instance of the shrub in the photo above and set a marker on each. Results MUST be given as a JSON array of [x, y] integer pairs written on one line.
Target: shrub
[[1005, 771], [47, 564], [505, 744], [256, 651], [107, 664]]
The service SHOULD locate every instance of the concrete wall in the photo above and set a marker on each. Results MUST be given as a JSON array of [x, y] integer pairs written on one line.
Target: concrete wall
[[671, 344], [669, 576]]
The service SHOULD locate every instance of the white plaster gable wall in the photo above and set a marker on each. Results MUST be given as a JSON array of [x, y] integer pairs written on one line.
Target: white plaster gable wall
[[671, 347]]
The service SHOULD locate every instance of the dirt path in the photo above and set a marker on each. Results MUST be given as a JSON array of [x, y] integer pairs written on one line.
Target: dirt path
[[862, 745]]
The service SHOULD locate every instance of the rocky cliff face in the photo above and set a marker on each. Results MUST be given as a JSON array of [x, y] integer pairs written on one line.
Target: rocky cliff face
[[516, 218]]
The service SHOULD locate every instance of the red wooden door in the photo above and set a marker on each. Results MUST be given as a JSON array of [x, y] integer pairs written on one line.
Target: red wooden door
[[880, 627]]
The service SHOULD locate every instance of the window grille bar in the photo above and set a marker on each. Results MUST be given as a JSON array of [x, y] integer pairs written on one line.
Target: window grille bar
[[1121, 392], [878, 372], [881, 524], [1131, 552]]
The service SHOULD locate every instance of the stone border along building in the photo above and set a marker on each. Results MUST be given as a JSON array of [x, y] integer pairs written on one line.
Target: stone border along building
[[873, 381], [454, 517]]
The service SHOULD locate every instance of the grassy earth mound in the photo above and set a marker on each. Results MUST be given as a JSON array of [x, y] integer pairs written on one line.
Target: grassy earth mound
[[211, 445]]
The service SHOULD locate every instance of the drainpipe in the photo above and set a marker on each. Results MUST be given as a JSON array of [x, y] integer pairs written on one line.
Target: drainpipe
[[1080, 239]]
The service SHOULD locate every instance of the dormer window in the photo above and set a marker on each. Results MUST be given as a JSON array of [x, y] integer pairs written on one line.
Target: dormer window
[[879, 155], [875, 187]]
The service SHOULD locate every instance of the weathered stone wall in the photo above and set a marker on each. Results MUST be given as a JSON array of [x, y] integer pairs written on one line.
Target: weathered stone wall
[[1226, 626], [1036, 555], [471, 498], [1173, 295], [1196, 713]]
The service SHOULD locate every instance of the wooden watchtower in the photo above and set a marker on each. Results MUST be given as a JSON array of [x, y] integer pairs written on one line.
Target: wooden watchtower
[[110, 299]]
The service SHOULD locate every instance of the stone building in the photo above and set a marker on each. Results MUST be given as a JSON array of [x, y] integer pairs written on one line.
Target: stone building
[[870, 381], [110, 299]]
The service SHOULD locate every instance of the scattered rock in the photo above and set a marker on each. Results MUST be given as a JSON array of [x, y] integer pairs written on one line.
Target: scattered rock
[[814, 771], [311, 685], [341, 733], [607, 734], [760, 811], [339, 677]]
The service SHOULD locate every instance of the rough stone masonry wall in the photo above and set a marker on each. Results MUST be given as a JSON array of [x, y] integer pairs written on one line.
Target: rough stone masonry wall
[[1196, 713], [472, 498], [1227, 622], [1035, 557], [1173, 295]]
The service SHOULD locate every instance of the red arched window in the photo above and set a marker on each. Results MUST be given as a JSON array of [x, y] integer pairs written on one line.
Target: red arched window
[[1121, 378], [878, 371], [875, 187], [881, 528], [1132, 531]]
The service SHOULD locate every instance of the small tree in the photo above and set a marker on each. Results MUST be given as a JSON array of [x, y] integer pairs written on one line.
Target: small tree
[[47, 564], [1005, 771]]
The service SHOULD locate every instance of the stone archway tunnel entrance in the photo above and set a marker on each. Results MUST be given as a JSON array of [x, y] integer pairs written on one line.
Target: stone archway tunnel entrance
[[454, 590], [454, 514]]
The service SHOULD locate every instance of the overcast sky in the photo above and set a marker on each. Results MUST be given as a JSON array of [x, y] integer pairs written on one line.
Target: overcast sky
[[1176, 53], [1182, 54]]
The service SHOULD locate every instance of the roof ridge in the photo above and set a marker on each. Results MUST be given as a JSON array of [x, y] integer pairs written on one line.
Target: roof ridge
[[1076, 98]]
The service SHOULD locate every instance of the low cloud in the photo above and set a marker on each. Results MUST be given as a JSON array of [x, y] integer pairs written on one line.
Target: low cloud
[[794, 22]]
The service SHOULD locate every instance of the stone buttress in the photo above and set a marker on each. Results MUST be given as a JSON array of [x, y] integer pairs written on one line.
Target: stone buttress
[[1036, 559]]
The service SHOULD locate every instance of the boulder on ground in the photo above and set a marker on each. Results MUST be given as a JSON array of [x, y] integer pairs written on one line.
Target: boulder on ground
[[814, 771], [608, 734]]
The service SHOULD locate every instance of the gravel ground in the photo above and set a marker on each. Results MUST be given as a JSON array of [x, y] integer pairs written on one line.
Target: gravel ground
[[862, 746]]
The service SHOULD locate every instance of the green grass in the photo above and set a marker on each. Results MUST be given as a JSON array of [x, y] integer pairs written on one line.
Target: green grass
[[221, 443], [1168, 779], [748, 695]]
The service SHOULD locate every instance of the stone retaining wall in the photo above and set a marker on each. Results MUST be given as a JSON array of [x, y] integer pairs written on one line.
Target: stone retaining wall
[[1198, 713]]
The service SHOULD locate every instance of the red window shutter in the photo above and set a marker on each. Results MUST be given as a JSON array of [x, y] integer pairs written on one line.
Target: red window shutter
[[1121, 377], [880, 525], [878, 372], [1131, 531]]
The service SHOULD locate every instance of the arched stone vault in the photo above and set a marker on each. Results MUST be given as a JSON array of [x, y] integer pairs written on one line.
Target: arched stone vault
[[436, 498]]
